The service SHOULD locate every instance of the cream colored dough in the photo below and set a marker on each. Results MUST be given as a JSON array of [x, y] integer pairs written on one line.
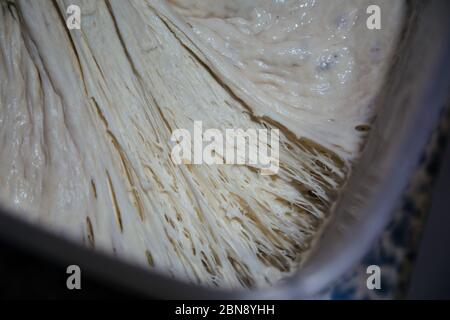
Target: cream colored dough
[[86, 118]]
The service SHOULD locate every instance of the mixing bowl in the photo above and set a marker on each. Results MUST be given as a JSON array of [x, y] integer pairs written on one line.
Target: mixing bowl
[[408, 109]]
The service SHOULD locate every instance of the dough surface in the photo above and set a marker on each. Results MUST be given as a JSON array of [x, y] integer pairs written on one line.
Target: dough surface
[[86, 118]]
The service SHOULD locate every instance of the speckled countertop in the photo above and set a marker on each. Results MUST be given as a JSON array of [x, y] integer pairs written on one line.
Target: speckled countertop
[[396, 249]]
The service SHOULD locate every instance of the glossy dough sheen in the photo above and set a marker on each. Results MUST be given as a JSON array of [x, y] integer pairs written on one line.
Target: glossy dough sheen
[[86, 118]]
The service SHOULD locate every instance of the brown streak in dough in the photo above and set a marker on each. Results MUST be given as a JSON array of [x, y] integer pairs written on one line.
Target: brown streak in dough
[[115, 203]]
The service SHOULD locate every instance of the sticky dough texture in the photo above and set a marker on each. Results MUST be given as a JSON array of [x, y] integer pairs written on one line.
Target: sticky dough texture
[[302, 63], [86, 118]]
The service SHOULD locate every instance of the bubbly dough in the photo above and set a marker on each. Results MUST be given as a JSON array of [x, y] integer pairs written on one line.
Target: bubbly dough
[[86, 118], [301, 63]]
